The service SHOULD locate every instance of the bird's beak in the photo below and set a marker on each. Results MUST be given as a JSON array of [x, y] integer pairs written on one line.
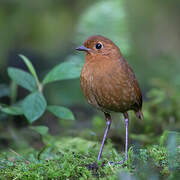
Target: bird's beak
[[82, 48]]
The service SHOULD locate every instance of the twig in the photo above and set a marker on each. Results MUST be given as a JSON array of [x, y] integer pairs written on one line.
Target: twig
[[27, 162]]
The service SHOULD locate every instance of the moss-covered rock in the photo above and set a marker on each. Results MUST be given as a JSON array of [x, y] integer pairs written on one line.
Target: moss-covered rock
[[75, 158]]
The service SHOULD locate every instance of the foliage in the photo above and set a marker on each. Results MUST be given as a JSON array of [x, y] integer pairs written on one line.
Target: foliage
[[161, 114], [74, 158], [63, 71], [135, 28], [34, 105]]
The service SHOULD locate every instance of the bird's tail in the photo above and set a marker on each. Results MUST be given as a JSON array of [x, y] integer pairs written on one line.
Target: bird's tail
[[139, 114]]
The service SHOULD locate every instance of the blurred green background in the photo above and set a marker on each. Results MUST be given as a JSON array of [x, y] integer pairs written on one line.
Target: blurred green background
[[47, 32]]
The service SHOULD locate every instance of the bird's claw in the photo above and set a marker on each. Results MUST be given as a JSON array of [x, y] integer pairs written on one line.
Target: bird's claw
[[117, 163], [93, 166]]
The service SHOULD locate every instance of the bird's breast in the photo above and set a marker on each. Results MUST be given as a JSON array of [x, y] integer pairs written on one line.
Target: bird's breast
[[107, 87], [87, 81]]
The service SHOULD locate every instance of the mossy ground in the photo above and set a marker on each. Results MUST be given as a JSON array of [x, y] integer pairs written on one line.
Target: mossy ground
[[71, 158]]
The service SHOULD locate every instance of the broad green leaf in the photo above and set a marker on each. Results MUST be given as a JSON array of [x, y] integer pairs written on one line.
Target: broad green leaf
[[61, 112], [22, 78], [34, 106], [12, 110], [30, 67], [40, 129], [66, 70]]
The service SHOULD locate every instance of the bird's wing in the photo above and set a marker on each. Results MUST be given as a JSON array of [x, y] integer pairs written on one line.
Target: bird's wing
[[132, 78]]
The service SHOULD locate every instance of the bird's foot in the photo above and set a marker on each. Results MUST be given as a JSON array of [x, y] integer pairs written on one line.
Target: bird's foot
[[117, 163], [94, 167]]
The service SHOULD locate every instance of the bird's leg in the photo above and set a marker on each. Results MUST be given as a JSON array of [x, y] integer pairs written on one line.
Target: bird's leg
[[126, 144], [108, 124], [126, 118]]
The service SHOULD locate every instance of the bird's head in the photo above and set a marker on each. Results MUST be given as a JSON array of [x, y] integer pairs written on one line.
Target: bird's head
[[100, 46]]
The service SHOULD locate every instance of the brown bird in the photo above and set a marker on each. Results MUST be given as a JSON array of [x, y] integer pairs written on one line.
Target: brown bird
[[108, 82]]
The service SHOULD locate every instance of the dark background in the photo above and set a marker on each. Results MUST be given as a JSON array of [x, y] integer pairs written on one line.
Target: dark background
[[47, 32]]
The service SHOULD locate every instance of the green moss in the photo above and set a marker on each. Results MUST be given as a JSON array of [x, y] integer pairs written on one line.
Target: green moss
[[72, 158]]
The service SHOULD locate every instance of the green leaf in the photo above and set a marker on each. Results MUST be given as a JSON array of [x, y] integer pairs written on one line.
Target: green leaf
[[61, 112], [34, 106], [22, 78], [43, 130], [66, 70], [12, 110], [30, 67]]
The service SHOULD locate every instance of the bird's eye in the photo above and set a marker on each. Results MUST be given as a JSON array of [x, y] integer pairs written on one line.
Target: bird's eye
[[98, 46]]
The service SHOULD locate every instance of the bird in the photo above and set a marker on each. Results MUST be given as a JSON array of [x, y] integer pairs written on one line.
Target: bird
[[109, 83]]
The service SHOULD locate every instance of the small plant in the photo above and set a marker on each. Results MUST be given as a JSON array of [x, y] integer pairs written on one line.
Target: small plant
[[34, 105], [70, 158]]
